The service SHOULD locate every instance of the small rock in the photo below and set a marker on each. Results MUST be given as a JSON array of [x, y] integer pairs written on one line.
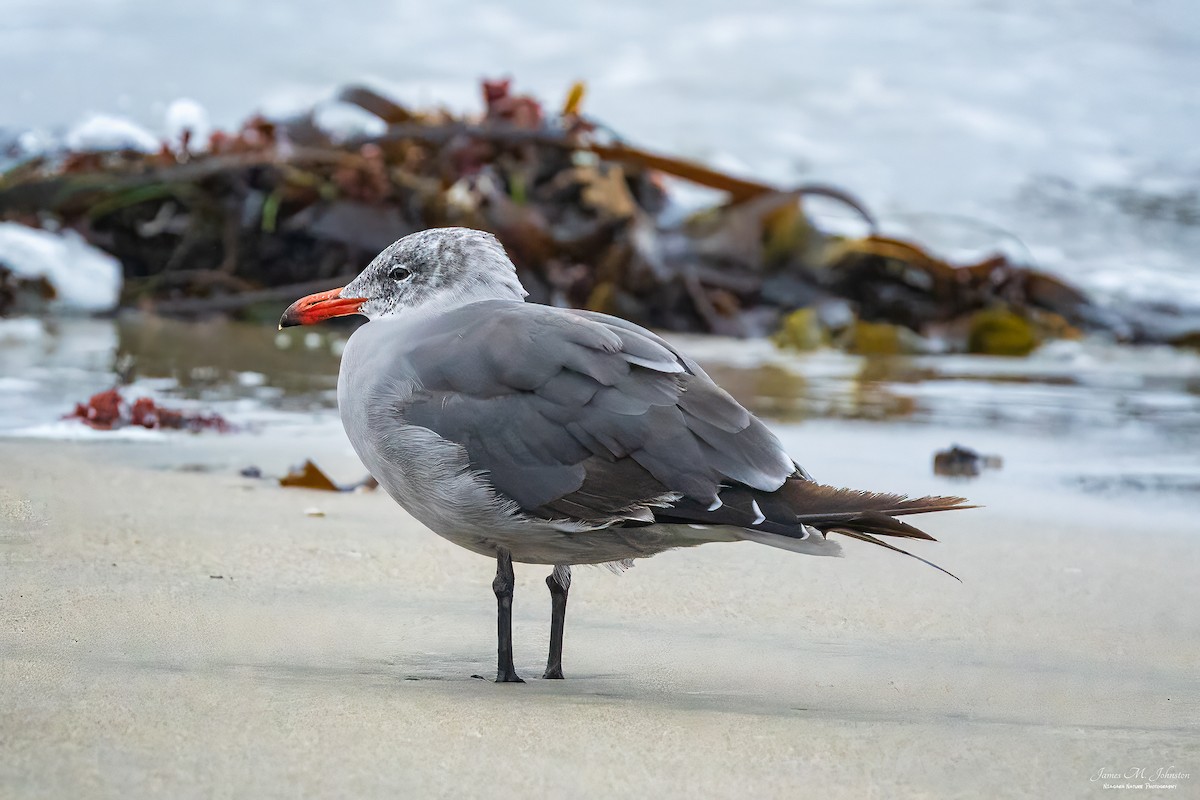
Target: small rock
[[963, 462], [313, 512]]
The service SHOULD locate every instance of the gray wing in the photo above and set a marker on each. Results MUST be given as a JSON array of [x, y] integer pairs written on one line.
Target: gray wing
[[584, 416]]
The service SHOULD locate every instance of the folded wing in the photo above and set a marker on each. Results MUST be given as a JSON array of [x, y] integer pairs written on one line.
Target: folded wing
[[585, 417]]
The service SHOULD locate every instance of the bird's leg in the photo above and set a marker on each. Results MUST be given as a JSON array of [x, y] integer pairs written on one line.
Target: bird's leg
[[503, 587], [559, 582]]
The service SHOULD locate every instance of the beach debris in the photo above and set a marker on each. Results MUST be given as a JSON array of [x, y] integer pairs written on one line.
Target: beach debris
[[108, 410], [801, 330], [991, 306], [309, 476], [312, 511], [882, 339], [1000, 332], [285, 207], [963, 462], [250, 472]]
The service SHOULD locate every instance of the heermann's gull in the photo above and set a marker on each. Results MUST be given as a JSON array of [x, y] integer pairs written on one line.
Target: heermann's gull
[[556, 436]]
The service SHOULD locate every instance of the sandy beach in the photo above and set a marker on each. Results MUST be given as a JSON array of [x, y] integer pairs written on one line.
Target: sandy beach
[[173, 629]]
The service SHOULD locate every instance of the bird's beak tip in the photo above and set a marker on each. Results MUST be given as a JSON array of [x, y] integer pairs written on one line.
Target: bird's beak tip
[[319, 307]]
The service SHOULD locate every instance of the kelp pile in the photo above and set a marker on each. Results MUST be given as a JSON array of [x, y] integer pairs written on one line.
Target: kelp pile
[[282, 208]]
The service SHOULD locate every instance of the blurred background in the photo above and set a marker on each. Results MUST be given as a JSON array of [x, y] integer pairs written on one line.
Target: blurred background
[[942, 248], [1069, 125], [1056, 137]]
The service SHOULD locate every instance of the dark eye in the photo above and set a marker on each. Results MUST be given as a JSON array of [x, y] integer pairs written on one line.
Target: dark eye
[[399, 273]]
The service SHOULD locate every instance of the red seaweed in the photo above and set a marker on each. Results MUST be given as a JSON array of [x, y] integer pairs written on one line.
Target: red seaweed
[[108, 410]]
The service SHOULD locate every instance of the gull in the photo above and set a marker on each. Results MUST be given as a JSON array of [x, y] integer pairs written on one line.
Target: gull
[[542, 435]]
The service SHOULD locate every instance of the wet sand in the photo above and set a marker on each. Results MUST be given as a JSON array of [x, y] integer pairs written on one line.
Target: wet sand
[[192, 633]]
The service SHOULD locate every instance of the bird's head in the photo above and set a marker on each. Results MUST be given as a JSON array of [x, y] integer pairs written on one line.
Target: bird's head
[[437, 269]]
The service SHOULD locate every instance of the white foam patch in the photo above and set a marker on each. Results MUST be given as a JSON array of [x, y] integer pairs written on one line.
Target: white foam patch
[[186, 114], [84, 278], [251, 379], [76, 431], [16, 385], [104, 132], [21, 329]]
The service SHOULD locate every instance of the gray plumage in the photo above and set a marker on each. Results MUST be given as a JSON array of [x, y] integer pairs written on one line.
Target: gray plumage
[[562, 436]]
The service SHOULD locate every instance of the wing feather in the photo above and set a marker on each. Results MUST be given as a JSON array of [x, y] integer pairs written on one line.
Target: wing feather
[[581, 415]]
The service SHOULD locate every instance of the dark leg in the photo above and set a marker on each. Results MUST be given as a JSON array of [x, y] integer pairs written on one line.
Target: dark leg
[[559, 582], [503, 587]]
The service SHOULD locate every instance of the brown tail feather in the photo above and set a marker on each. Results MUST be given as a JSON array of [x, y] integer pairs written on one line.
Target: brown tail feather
[[829, 502], [865, 515], [869, 522], [866, 537]]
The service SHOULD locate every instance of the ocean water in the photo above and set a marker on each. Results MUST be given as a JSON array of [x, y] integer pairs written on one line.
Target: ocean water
[[1084, 418], [1062, 132]]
